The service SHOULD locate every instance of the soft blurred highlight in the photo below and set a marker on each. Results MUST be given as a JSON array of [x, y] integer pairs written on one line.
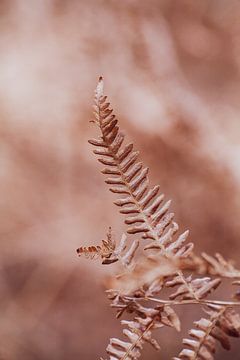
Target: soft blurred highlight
[[172, 71]]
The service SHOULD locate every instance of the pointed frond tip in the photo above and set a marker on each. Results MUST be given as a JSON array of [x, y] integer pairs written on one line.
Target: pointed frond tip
[[99, 88]]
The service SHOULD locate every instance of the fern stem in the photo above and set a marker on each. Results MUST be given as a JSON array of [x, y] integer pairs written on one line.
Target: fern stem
[[186, 302]]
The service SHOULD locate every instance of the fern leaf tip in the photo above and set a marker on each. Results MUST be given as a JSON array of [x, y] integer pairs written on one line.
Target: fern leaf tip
[[99, 88]]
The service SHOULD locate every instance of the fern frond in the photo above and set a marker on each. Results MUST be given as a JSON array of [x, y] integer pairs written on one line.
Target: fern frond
[[110, 252], [104, 250], [124, 255], [90, 252], [145, 211], [200, 287], [211, 265], [223, 322], [140, 330]]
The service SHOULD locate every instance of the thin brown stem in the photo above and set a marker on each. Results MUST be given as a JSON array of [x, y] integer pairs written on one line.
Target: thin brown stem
[[187, 302]]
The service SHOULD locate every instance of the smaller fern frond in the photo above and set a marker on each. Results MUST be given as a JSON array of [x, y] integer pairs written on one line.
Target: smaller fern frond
[[223, 322], [211, 265], [139, 330], [126, 258], [90, 252], [110, 252], [173, 248], [131, 302], [199, 287], [220, 266], [104, 250]]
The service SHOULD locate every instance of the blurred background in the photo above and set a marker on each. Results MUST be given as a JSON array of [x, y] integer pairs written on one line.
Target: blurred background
[[172, 71]]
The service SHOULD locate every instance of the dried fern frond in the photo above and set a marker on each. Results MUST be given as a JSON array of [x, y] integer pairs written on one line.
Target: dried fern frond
[[223, 322], [211, 265], [126, 257], [200, 287], [110, 252], [149, 271], [104, 250], [131, 304], [140, 330], [146, 213], [173, 248], [143, 206]]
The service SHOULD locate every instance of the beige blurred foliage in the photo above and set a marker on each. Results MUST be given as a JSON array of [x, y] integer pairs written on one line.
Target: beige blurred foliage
[[172, 71]]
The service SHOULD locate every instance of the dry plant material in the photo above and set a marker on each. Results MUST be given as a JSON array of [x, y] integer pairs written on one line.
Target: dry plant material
[[105, 250], [147, 271], [211, 265], [222, 323], [109, 252], [165, 260]]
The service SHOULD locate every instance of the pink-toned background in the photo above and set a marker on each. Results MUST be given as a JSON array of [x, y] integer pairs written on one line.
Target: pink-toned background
[[172, 71]]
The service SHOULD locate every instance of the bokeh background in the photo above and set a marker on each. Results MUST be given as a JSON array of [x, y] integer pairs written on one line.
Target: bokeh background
[[172, 71]]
